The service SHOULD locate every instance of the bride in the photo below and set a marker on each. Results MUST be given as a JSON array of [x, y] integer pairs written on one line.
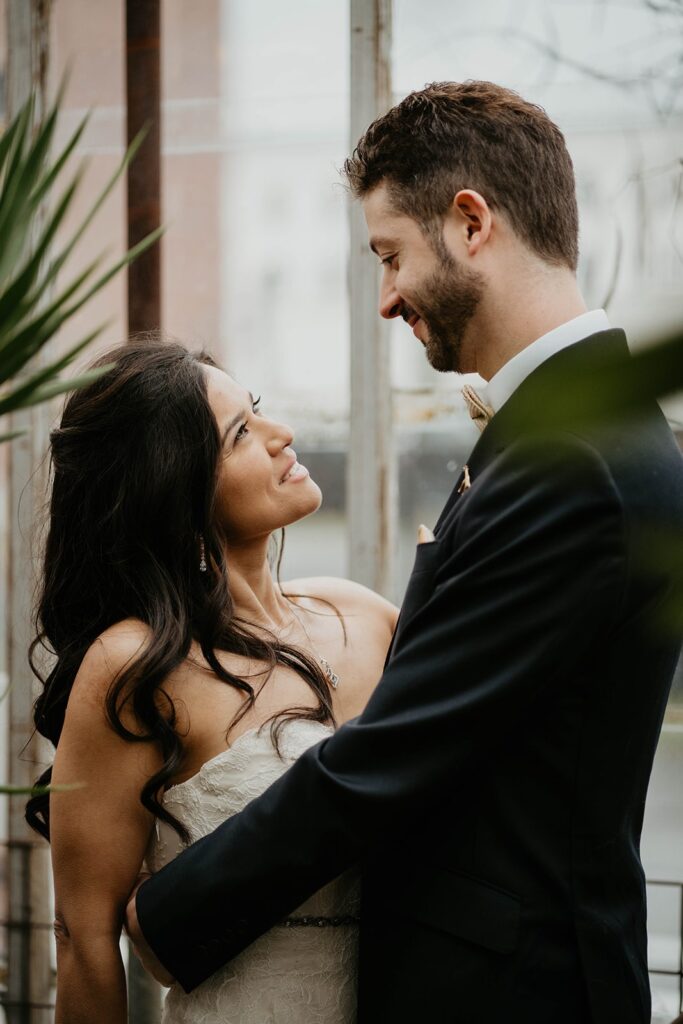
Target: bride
[[186, 679]]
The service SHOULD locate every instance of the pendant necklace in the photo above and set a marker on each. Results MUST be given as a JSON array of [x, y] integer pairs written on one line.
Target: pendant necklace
[[329, 673]]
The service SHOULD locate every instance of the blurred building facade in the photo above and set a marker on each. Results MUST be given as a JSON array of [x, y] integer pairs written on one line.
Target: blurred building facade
[[255, 126]]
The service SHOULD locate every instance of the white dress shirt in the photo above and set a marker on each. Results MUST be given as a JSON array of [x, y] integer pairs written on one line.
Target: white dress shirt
[[503, 384]]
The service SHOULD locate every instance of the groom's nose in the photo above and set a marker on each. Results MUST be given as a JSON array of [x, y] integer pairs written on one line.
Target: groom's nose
[[389, 301]]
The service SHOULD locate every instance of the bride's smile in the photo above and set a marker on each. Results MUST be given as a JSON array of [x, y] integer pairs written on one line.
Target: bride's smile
[[261, 484]]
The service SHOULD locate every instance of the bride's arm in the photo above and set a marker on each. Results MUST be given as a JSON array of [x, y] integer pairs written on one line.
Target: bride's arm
[[98, 835]]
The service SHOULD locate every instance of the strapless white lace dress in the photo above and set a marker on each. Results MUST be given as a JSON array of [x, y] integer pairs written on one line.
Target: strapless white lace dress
[[303, 971]]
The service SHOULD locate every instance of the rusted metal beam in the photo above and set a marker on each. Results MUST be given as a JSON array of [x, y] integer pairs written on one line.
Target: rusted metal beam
[[371, 496], [143, 110], [143, 91]]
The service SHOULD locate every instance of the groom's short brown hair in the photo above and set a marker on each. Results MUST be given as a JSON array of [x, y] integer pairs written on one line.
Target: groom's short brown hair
[[455, 135]]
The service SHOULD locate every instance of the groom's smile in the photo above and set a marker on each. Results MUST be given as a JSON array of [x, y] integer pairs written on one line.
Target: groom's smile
[[412, 319], [423, 281]]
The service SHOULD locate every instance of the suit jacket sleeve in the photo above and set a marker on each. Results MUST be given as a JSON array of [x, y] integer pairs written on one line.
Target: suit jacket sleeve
[[527, 580]]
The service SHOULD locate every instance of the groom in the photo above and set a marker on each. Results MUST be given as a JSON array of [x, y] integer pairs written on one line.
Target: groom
[[494, 787]]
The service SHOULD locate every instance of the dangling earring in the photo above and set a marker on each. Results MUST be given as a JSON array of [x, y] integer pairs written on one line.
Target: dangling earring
[[202, 554]]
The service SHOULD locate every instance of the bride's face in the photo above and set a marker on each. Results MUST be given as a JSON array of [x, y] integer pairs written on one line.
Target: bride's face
[[261, 486]]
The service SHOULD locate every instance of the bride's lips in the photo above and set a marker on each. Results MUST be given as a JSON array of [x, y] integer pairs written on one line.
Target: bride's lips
[[294, 472]]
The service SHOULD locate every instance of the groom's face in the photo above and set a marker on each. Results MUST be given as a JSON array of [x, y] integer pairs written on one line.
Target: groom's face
[[423, 282]]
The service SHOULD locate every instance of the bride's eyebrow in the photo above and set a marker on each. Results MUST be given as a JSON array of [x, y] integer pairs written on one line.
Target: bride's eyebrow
[[235, 420]]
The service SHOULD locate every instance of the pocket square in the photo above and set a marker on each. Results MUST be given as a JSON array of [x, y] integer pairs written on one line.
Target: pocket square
[[466, 483]]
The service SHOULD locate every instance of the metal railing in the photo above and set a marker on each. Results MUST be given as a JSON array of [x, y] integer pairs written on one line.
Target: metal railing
[[667, 972], [26, 949]]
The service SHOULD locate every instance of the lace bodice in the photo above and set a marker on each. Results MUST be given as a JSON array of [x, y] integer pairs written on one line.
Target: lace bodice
[[291, 975]]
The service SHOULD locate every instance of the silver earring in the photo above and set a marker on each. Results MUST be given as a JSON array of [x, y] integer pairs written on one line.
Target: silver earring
[[202, 554]]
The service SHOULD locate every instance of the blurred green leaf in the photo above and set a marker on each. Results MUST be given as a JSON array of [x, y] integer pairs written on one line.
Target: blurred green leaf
[[11, 435], [39, 790], [661, 551], [610, 388]]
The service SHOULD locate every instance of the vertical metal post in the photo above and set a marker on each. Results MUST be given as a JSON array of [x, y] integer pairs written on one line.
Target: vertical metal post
[[29, 947], [680, 953], [371, 474], [143, 91], [143, 110], [144, 995]]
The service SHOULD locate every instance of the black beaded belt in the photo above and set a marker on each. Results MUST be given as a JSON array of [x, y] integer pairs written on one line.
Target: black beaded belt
[[318, 922]]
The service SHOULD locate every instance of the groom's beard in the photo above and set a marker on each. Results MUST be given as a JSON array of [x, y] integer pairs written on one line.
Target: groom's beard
[[447, 301]]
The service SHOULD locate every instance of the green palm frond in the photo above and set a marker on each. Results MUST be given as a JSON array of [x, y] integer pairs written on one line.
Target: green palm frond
[[33, 307], [11, 435], [39, 790]]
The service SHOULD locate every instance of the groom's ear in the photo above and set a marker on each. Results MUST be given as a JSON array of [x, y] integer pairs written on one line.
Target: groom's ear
[[468, 223]]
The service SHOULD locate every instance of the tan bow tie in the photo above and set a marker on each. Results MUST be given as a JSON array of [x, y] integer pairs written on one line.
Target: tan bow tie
[[480, 412]]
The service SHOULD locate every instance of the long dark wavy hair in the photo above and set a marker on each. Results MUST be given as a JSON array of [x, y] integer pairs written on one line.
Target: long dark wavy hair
[[134, 474]]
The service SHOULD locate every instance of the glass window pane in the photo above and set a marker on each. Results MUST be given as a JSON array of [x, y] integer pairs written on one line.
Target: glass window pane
[[254, 128], [88, 42], [283, 222]]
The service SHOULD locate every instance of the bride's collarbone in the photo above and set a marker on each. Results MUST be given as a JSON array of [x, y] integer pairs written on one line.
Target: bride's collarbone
[[207, 706]]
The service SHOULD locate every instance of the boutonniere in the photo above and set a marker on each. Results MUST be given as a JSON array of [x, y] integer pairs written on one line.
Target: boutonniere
[[466, 483]]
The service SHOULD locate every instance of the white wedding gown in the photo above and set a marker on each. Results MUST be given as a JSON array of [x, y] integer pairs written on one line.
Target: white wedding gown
[[303, 971]]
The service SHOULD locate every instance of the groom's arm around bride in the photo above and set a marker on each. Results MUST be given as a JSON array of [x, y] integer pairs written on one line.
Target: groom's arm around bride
[[494, 787]]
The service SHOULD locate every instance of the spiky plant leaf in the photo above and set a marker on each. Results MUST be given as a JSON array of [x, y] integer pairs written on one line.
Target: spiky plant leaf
[[40, 790], [61, 387], [12, 435], [46, 383], [29, 264]]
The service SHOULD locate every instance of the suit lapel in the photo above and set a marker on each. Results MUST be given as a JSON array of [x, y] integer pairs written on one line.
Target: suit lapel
[[526, 410], [532, 405], [489, 443]]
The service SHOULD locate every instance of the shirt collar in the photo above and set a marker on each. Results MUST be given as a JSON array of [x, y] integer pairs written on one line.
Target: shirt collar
[[504, 383]]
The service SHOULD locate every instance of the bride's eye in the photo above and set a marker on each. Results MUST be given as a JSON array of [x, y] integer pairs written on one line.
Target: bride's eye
[[243, 428]]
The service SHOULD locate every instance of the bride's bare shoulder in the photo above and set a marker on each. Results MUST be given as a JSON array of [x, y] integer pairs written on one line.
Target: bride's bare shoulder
[[123, 641], [109, 655], [348, 597], [106, 661]]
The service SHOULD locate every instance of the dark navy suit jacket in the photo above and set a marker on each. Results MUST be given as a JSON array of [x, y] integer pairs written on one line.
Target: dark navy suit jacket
[[494, 787]]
